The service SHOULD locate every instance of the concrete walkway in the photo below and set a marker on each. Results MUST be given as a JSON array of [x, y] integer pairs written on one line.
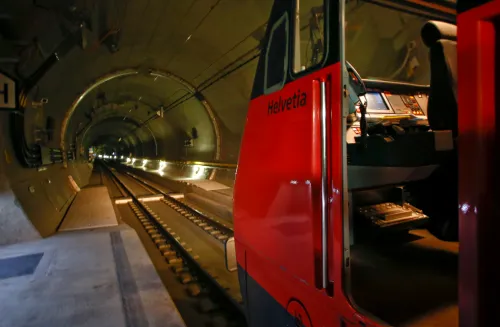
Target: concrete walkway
[[93, 278]]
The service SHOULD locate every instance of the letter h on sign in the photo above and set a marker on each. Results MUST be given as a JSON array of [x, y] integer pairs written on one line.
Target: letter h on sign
[[7, 92]]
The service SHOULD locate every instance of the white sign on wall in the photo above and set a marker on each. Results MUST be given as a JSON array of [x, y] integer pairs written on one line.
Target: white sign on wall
[[8, 98]]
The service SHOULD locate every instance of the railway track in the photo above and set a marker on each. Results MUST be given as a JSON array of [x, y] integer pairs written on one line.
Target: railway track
[[216, 228], [191, 243]]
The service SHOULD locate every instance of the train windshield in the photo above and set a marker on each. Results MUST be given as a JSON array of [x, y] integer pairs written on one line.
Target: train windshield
[[383, 43]]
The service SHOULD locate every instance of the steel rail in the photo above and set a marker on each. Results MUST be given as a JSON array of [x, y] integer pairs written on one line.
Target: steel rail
[[223, 228], [185, 254]]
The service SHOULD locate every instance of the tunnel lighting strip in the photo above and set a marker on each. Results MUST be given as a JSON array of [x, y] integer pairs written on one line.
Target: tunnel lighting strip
[[163, 163], [205, 164]]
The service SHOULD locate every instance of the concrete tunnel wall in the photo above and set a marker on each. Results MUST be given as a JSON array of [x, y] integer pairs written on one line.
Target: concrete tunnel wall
[[33, 202]]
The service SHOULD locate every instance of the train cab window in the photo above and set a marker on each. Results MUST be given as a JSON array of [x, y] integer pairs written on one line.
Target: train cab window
[[277, 55], [383, 43], [309, 34]]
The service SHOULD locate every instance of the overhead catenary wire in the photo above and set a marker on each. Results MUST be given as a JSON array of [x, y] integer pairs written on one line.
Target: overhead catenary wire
[[206, 86], [207, 83], [219, 74], [222, 72], [229, 50], [223, 69], [169, 37], [194, 31], [191, 95]]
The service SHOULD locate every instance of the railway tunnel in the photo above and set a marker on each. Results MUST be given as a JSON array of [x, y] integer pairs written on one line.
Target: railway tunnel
[[135, 110], [140, 79]]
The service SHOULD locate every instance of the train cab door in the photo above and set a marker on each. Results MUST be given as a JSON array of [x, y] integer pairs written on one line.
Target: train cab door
[[478, 75], [289, 191]]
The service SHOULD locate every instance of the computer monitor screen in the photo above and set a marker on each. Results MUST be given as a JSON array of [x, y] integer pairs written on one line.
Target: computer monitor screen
[[375, 101]]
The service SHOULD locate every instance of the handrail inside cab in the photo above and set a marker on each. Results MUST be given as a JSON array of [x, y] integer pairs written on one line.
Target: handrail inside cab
[[443, 10], [392, 86]]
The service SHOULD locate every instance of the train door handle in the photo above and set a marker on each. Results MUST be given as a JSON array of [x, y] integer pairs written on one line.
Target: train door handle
[[324, 188]]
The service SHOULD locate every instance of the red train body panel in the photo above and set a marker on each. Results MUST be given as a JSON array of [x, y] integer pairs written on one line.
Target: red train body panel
[[479, 51], [279, 214], [296, 128]]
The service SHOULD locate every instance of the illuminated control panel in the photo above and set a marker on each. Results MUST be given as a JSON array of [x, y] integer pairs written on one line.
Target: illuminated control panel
[[422, 100], [383, 103], [412, 104], [356, 129], [390, 107], [404, 104]]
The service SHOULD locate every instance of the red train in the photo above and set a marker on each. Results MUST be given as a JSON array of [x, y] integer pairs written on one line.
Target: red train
[[356, 166]]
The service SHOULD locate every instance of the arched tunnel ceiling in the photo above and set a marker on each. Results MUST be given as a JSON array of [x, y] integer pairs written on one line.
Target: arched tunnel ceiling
[[138, 98], [134, 98], [191, 39]]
